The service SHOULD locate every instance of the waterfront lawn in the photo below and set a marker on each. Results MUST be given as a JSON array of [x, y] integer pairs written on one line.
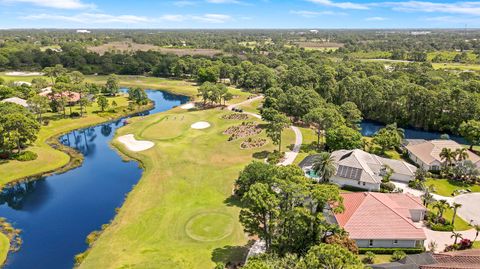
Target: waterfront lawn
[[48, 158], [4, 247], [179, 215], [446, 187]]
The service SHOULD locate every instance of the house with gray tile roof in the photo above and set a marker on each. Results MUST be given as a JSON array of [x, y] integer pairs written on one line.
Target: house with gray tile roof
[[360, 169]]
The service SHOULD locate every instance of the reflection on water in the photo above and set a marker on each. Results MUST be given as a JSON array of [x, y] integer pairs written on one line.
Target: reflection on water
[[56, 213], [369, 128]]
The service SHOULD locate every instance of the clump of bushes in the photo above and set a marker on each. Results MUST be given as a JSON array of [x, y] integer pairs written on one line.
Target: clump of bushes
[[369, 258], [462, 245], [275, 157], [398, 255], [387, 187], [438, 223], [25, 156]]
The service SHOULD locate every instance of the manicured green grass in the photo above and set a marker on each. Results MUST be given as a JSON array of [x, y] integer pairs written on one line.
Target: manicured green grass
[[461, 67], [253, 106], [179, 215], [50, 159], [446, 187], [460, 224], [308, 145], [476, 245], [379, 258], [4, 247]]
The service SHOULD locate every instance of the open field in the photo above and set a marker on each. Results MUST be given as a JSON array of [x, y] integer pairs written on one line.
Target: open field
[[446, 187], [179, 215], [320, 45], [127, 47], [455, 66], [4, 247], [449, 56]]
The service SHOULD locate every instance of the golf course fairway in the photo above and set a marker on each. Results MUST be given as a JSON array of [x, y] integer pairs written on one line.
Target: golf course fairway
[[179, 214]]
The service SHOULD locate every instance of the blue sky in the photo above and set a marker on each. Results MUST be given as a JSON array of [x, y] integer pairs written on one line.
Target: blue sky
[[239, 14]]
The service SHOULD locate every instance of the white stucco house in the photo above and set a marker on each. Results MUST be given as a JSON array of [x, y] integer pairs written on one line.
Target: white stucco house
[[16, 100], [360, 169], [426, 154]]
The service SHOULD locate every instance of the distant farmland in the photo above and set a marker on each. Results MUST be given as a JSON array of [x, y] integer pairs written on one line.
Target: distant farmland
[[319, 45], [128, 47]]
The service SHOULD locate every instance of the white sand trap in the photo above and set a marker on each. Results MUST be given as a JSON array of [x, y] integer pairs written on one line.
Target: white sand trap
[[23, 74], [187, 106], [200, 125], [133, 144]]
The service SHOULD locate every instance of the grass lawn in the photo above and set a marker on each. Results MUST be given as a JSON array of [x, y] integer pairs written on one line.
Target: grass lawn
[[446, 187], [179, 215], [460, 224], [253, 106], [50, 159], [4, 247], [476, 244], [457, 66], [379, 258], [309, 137]]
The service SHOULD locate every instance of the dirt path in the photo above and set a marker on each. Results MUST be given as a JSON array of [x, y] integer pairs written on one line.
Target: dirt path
[[289, 156]]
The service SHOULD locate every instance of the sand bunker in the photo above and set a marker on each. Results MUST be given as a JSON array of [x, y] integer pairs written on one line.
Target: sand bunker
[[23, 74], [187, 106], [133, 144], [200, 125]]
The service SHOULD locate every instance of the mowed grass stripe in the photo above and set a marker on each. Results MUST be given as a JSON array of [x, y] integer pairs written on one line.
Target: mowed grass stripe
[[184, 178]]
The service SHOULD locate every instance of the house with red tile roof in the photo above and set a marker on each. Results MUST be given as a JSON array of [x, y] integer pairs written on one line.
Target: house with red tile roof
[[382, 220]]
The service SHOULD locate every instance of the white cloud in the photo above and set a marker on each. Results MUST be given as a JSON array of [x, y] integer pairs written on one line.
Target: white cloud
[[313, 14], [342, 5], [208, 18], [90, 18], [455, 19], [60, 4], [212, 18], [469, 8], [223, 1], [184, 3], [376, 19]]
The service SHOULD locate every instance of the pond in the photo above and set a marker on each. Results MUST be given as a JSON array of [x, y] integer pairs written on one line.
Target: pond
[[369, 128], [56, 213]]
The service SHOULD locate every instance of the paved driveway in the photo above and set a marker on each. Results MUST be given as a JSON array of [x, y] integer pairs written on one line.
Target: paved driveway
[[443, 239], [470, 210]]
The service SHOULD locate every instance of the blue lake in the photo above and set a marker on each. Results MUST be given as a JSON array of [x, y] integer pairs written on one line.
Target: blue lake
[[56, 213], [369, 128]]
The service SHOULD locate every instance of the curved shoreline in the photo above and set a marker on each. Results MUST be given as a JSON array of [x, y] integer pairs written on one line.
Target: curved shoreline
[[75, 157]]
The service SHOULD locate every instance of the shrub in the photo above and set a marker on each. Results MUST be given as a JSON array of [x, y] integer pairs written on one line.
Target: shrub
[[391, 250], [398, 255], [387, 187], [75, 115], [369, 257], [275, 157], [25, 156], [440, 227], [416, 184], [465, 244]]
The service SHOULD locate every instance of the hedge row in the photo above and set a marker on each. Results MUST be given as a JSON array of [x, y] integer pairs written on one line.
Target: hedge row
[[391, 250]]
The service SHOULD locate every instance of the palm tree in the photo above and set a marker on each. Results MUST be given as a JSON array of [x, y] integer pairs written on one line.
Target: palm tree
[[324, 166], [440, 206], [447, 156], [456, 236], [427, 196], [461, 154], [455, 206], [477, 228]]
